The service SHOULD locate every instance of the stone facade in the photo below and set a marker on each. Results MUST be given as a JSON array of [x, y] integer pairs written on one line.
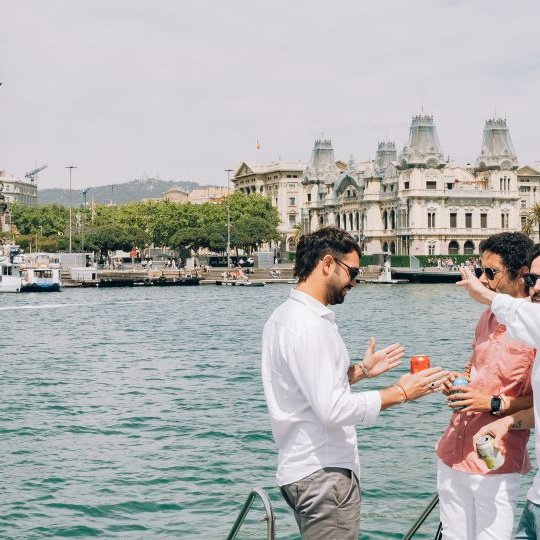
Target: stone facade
[[18, 191], [529, 193], [281, 182], [414, 203], [417, 203]]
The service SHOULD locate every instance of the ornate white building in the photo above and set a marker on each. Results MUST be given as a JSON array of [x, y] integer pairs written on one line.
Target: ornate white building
[[417, 203]]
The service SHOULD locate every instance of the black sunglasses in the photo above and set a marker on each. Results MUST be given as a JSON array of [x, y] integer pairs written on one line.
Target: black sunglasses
[[530, 279], [352, 270], [490, 272]]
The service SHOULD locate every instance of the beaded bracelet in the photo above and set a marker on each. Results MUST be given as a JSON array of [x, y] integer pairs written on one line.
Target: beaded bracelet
[[364, 370]]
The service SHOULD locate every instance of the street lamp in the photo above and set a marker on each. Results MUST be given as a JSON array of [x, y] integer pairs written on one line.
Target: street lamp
[[70, 167], [228, 171]]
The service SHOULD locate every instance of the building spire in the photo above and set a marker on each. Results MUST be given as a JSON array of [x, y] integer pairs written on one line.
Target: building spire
[[497, 147], [423, 148]]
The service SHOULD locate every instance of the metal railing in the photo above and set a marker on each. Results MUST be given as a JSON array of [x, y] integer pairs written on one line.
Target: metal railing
[[423, 516], [269, 517]]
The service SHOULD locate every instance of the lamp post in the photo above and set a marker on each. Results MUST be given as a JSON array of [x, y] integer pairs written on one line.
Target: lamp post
[[70, 167], [228, 171]]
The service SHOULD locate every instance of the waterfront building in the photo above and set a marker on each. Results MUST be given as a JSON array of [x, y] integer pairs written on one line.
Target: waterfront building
[[416, 202], [281, 182], [17, 190], [529, 193]]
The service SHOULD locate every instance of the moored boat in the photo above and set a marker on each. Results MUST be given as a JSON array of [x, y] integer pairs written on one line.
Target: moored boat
[[40, 272]]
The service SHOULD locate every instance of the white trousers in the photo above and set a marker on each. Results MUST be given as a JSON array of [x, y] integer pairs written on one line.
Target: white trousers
[[477, 506]]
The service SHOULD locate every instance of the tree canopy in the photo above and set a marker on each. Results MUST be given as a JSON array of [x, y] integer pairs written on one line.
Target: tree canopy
[[160, 223]]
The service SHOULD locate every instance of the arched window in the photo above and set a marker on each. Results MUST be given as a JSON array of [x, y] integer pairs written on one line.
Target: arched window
[[385, 247], [291, 244], [453, 248], [392, 220], [385, 220], [468, 247], [351, 226], [393, 248]]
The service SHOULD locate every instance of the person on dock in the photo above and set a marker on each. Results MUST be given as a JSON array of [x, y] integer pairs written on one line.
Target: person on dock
[[477, 503], [307, 376], [522, 320]]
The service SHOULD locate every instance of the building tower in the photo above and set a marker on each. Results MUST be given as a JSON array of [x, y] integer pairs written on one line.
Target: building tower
[[322, 166], [497, 148], [386, 153], [423, 148]]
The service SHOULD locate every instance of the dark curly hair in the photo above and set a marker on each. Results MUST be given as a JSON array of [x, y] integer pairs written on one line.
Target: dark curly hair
[[514, 249], [534, 253], [326, 241]]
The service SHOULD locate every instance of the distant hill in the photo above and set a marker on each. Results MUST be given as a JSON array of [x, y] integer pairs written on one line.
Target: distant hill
[[136, 190]]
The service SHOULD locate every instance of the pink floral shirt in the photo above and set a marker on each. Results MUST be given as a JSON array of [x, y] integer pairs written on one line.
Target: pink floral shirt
[[499, 364]]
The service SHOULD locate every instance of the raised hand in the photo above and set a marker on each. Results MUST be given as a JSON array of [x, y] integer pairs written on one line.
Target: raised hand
[[474, 287], [378, 362]]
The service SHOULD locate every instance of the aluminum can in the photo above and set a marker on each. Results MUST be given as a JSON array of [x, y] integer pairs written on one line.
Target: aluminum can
[[491, 455], [459, 381], [419, 363]]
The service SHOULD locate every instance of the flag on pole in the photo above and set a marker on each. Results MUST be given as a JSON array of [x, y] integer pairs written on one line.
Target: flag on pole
[[258, 144]]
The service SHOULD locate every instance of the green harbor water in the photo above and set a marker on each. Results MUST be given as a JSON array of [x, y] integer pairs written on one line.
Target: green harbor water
[[139, 413]]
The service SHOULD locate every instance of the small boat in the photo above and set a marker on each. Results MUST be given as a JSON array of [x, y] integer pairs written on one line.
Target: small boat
[[40, 272], [10, 277], [10, 274]]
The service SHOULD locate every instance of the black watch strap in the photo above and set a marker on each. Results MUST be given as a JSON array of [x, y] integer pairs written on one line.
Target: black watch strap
[[496, 405]]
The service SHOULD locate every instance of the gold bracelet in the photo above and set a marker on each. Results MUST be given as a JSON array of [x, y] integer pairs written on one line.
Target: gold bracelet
[[364, 370]]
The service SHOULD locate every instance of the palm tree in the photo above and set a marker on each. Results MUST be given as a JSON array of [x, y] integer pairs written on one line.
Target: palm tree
[[533, 219]]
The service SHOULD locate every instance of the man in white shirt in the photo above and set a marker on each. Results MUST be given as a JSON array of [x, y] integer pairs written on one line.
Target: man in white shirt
[[522, 320], [306, 374]]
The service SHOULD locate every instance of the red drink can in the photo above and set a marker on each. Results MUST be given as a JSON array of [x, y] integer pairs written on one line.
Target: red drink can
[[419, 363]]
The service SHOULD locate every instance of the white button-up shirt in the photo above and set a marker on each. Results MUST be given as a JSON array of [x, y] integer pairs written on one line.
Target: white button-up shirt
[[312, 409], [522, 320]]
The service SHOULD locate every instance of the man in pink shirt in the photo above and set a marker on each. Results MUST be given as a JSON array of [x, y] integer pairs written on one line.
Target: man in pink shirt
[[477, 503]]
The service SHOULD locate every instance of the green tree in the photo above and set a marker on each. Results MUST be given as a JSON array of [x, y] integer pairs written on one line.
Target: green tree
[[533, 219], [111, 237], [46, 220], [249, 232]]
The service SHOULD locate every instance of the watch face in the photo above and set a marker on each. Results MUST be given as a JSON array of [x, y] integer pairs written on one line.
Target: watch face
[[495, 404]]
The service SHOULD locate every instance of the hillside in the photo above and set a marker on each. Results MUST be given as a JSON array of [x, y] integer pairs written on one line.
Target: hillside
[[136, 190]]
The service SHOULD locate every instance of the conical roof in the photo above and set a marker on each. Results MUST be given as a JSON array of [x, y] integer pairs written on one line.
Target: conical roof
[[423, 147], [497, 148], [322, 165], [386, 153]]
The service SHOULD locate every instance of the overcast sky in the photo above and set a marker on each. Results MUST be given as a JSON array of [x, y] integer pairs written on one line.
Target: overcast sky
[[183, 89]]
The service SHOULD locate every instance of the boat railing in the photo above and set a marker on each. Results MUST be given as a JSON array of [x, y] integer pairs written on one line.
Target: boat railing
[[423, 516], [269, 517]]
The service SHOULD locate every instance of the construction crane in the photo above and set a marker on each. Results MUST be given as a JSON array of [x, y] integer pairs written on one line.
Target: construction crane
[[32, 175]]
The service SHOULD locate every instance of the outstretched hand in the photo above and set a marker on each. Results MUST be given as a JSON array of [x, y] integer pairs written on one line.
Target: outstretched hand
[[423, 383], [474, 287], [378, 362]]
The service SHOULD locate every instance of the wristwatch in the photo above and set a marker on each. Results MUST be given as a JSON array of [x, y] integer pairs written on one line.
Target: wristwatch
[[496, 403]]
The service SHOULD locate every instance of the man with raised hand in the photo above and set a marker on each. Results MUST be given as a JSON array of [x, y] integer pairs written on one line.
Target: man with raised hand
[[523, 321], [307, 375]]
